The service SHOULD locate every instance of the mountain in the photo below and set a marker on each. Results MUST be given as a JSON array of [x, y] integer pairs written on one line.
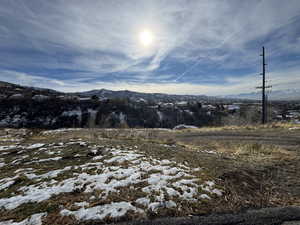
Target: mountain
[[138, 96], [30, 107], [9, 89], [280, 95]]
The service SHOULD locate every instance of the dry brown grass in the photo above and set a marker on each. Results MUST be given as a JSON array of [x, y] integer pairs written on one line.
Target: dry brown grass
[[256, 152], [274, 125], [248, 151], [247, 172], [55, 218]]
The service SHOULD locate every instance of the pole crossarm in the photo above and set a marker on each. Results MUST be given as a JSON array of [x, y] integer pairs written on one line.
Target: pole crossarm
[[266, 87]]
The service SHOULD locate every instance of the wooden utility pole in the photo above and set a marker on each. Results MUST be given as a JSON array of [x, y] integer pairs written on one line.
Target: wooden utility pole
[[263, 87]]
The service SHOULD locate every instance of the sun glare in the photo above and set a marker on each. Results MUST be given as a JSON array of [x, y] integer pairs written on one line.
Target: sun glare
[[146, 38]]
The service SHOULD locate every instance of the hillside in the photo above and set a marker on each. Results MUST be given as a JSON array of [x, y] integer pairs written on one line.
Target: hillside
[[32, 107], [8, 90], [138, 96], [43, 108]]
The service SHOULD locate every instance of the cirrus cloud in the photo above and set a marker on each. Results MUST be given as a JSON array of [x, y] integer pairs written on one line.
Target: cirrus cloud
[[199, 45]]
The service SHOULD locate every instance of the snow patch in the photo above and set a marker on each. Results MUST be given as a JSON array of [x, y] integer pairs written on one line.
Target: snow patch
[[7, 182], [34, 146], [45, 160], [113, 210], [183, 126], [58, 131], [9, 147], [143, 201], [35, 219], [81, 204], [156, 205]]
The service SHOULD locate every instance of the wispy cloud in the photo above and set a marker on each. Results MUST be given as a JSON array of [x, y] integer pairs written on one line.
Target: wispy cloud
[[281, 80], [29, 80], [194, 41]]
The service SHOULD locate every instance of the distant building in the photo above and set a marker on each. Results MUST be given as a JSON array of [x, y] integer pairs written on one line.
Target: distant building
[[68, 97], [232, 107], [182, 103], [16, 96], [153, 106], [40, 97], [82, 99], [166, 105], [208, 107], [141, 100], [293, 113]]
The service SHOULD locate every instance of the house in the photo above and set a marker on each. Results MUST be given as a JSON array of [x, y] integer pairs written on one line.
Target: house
[[211, 107], [182, 103], [232, 107], [68, 97], [167, 105], [16, 96], [40, 97], [82, 99]]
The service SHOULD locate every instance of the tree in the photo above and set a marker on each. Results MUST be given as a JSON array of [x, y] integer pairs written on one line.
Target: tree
[[95, 98]]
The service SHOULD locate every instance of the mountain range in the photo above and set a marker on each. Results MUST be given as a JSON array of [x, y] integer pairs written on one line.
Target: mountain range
[[7, 89], [139, 96]]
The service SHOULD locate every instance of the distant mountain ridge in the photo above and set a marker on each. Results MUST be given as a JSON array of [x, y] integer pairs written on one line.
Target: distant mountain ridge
[[283, 95], [104, 93], [9, 89], [286, 95], [31, 107]]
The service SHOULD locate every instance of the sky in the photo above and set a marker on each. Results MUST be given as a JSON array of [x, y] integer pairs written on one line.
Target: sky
[[196, 47]]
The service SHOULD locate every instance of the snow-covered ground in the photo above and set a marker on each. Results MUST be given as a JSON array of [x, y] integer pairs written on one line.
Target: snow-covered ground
[[35, 219], [183, 126], [124, 178]]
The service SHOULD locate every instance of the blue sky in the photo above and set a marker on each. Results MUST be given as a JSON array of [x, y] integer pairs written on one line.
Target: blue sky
[[198, 46]]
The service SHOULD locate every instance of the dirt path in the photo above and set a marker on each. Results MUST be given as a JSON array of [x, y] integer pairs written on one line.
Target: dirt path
[[280, 138]]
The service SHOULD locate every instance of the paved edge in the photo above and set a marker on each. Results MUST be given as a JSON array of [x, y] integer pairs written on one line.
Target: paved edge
[[266, 216]]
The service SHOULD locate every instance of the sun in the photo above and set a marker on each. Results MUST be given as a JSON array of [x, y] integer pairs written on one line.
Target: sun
[[146, 37]]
